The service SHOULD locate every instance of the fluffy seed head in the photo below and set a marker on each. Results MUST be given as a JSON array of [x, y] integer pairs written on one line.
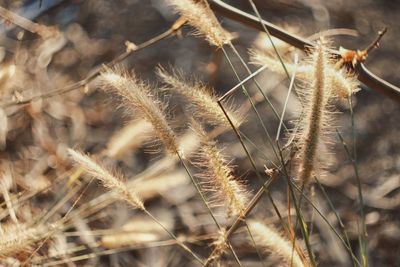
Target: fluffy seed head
[[343, 83], [218, 174], [109, 180], [19, 238], [137, 96], [317, 120], [220, 247], [316, 114], [201, 17], [202, 102], [269, 239]]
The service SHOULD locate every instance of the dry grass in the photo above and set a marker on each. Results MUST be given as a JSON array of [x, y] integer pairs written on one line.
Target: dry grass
[[208, 200]]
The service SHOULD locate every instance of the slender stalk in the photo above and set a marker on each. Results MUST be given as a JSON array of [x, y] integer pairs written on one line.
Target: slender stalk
[[246, 212], [173, 236], [205, 202], [298, 213], [164, 35], [341, 224], [251, 102], [296, 59], [328, 223], [363, 74], [364, 242], [269, 37]]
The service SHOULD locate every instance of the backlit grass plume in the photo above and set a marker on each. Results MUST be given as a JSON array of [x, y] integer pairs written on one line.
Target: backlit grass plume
[[109, 180], [114, 184], [220, 247], [343, 83], [218, 175], [202, 101], [201, 17], [269, 239], [316, 119], [137, 96]]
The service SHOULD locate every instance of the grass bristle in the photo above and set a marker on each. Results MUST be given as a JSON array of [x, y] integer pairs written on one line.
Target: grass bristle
[[201, 100], [270, 240], [343, 83], [109, 180], [316, 114], [218, 175], [201, 17], [137, 96]]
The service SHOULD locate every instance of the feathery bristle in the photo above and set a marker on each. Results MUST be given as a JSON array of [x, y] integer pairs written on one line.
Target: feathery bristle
[[220, 247], [316, 115], [201, 17], [19, 238], [269, 239], [343, 83], [109, 180], [137, 95], [219, 175], [202, 102]]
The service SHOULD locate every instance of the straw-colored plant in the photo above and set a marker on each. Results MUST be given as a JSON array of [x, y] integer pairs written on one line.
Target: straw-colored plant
[[196, 204]]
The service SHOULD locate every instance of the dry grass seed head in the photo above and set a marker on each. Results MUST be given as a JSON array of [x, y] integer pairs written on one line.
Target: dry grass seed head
[[218, 175], [16, 239], [269, 239], [315, 123], [109, 180], [137, 96], [203, 19], [201, 99], [343, 83], [220, 246]]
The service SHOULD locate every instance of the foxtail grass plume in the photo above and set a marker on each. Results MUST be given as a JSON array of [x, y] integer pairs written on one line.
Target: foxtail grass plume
[[15, 239], [201, 100], [220, 247], [109, 180], [269, 239], [203, 19], [316, 114], [218, 175], [137, 96], [343, 83]]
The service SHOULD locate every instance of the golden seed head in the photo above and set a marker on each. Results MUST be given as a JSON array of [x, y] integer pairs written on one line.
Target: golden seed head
[[269, 239], [202, 101], [137, 96], [203, 19], [109, 180]]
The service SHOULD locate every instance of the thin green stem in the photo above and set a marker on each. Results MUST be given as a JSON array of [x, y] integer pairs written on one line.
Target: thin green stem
[[173, 236], [255, 81], [328, 223], [300, 218], [194, 182], [204, 199], [251, 102], [341, 224], [364, 244], [296, 61]]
